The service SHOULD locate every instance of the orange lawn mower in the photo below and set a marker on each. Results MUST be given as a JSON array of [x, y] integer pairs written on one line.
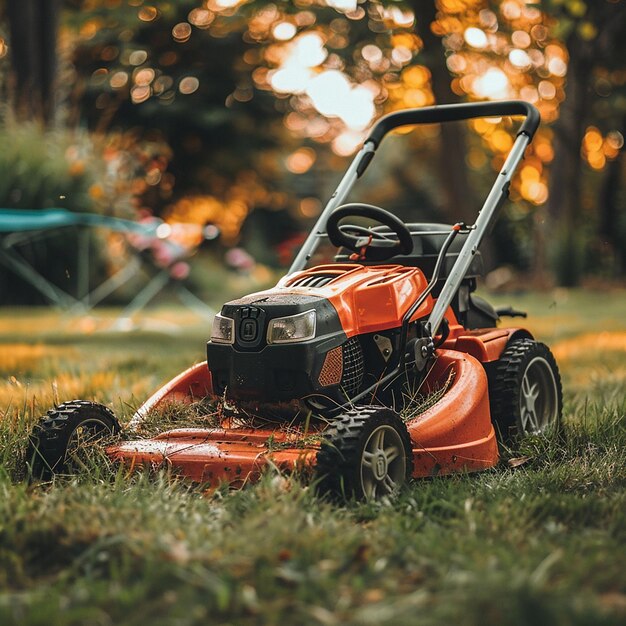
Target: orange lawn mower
[[360, 374]]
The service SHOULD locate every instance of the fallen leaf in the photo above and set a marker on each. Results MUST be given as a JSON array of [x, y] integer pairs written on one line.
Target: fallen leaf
[[519, 461]]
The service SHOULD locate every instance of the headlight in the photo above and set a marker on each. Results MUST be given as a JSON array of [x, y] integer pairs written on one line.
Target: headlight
[[223, 329], [293, 328]]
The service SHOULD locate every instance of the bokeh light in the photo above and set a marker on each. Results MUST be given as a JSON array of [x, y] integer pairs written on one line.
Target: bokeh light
[[476, 38], [283, 31], [181, 32], [300, 161], [188, 85]]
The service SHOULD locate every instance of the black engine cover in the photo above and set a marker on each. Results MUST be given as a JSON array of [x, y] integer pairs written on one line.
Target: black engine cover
[[252, 369]]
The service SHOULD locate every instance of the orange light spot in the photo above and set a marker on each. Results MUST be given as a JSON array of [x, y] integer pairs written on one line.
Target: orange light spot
[[181, 32], [301, 160], [147, 14], [416, 76], [501, 141], [592, 140]]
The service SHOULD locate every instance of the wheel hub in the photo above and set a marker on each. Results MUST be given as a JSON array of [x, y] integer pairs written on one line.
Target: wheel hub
[[380, 466], [383, 465], [538, 406]]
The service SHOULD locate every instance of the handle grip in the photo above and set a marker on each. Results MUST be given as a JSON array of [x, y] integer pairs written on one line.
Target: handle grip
[[456, 112]]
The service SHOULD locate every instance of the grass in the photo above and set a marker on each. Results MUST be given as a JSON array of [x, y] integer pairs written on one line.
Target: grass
[[541, 543]]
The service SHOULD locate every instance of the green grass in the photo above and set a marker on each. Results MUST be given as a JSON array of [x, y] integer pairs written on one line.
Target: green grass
[[543, 543]]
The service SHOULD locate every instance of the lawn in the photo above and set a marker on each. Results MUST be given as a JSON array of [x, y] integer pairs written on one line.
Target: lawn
[[540, 543]]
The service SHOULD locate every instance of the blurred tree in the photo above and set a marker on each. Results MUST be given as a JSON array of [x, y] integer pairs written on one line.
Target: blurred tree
[[593, 33], [206, 78], [230, 85], [566, 57], [459, 198], [613, 204], [145, 68], [33, 41]]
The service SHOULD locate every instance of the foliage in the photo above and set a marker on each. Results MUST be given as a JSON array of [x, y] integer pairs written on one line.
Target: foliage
[[230, 86], [153, 66], [589, 135], [168, 83], [331, 66], [44, 170]]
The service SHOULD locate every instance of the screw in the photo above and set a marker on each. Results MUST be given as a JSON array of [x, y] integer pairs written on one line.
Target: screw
[[424, 351]]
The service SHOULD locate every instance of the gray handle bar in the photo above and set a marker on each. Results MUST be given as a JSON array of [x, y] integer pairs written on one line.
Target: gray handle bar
[[433, 115], [456, 112]]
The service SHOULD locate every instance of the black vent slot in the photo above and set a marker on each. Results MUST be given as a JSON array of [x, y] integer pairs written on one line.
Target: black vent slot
[[353, 366], [313, 280]]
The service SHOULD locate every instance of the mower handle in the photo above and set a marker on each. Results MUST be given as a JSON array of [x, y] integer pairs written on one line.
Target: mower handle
[[497, 195], [456, 112]]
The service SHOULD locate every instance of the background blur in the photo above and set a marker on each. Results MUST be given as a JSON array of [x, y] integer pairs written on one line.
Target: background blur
[[244, 114]]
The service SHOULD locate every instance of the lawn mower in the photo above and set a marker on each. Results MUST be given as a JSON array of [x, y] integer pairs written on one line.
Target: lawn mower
[[361, 373]]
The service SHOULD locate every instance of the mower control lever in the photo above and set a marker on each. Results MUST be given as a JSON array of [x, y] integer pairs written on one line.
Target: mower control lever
[[509, 311]]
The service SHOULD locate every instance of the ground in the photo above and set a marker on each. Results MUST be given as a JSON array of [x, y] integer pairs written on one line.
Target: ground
[[539, 539]]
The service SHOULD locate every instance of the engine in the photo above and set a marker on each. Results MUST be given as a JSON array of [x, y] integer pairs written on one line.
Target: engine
[[319, 335]]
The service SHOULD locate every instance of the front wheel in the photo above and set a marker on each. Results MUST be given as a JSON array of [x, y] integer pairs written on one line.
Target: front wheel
[[366, 455], [60, 443], [525, 390]]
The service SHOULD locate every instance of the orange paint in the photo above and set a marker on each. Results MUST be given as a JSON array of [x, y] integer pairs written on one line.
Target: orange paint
[[456, 433], [486, 344], [366, 298]]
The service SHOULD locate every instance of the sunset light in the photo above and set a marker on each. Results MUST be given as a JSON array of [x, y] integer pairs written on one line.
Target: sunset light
[[494, 85], [476, 38]]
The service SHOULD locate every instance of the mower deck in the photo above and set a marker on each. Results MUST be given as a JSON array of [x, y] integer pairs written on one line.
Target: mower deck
[[453, 434]]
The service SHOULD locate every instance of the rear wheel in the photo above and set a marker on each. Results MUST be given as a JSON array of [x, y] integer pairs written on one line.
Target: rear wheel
[[63, 439], [525, 390], [366, 455]]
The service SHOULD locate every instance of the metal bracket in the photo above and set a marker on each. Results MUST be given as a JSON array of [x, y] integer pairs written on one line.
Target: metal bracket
[[424, 349], [384, 345]]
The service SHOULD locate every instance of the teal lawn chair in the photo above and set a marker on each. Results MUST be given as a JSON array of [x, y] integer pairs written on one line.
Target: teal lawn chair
[[19, 226]]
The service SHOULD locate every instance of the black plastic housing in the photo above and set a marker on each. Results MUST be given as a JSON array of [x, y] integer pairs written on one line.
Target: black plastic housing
[[252, 369]]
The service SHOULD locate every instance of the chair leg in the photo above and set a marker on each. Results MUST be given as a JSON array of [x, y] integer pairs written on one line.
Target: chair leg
[[142, 299], [108, 286], [53, 294], [192, 302], [83, 266]]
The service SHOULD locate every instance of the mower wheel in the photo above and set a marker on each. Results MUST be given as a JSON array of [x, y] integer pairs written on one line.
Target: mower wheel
[[366, 455], [65, 434], [525, 391]]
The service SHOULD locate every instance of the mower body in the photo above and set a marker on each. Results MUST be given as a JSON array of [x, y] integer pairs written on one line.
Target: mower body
[[364, 372], [359, 311], [348, 301], [454, 434]]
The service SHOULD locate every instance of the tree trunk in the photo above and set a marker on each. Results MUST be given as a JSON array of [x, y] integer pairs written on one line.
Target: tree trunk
[[612, 215], [564, 206], [458, 198], [33, 27]]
